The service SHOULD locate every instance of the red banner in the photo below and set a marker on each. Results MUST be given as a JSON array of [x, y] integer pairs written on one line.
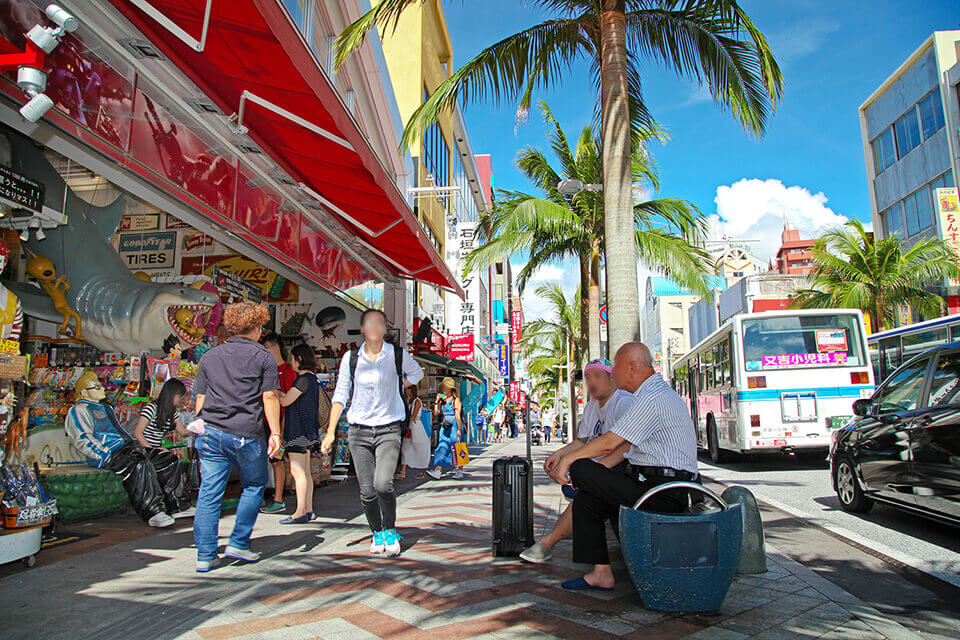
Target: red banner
[[516, 321], [515, 392], [460, 346]]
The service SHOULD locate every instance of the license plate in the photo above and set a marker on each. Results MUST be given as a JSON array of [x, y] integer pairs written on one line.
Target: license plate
[[838, 421]]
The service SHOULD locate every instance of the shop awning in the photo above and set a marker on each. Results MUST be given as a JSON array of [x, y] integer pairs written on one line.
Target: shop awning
[[251, 60], [457, 366]]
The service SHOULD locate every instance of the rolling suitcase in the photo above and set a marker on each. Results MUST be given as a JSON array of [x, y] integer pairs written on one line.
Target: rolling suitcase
[[512, 506]]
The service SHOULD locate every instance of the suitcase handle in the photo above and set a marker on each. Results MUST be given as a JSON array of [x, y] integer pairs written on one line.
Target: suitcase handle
[[681, 485]]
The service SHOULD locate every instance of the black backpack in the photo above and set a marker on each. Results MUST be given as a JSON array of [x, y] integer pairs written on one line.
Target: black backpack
[[398, 361]]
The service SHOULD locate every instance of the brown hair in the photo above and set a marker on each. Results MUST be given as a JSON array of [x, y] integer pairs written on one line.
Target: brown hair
[[244, 317]]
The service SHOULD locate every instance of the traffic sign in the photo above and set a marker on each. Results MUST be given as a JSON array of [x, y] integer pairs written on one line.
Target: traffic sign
[[603, 314]]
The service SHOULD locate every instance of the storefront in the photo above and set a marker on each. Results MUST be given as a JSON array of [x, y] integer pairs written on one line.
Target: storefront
[[136, 208]]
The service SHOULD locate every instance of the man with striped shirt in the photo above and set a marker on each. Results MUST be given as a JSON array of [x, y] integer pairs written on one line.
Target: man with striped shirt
[[663, 448]]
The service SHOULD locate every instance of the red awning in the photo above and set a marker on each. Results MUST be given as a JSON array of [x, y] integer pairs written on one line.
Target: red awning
[[253, 50]]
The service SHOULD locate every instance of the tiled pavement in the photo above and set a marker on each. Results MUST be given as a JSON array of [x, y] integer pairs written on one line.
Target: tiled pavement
[[318, 582]]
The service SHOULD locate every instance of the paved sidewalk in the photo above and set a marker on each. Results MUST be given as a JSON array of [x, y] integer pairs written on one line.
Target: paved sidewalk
[[318, 582]]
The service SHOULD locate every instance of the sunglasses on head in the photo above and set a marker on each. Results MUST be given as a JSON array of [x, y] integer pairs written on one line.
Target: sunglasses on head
[[602, 361]]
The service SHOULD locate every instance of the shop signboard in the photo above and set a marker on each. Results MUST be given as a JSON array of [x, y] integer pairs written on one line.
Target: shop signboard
[[272, 285], [516, 322], [515, 392], [462, 316], [21, 191], [175, 223], [234, 285], [460, 346], [503, 361], [948, 205], [140, 222], [154, 250], [194, 243]]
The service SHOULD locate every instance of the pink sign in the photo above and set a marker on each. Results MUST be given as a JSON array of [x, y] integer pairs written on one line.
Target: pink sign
[[803, 359], [460, 346]]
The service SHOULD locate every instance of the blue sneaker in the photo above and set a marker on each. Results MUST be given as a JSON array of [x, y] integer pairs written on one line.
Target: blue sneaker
[[377, 546], [391, 542], [569, 492]]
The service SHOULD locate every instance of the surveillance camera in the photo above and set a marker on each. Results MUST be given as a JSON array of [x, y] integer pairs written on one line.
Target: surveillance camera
[[44, 37], [63, 19], [36, 107]]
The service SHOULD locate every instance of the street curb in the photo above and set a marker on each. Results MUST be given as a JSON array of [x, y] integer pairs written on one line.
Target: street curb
[[843, 598], [877, 549]]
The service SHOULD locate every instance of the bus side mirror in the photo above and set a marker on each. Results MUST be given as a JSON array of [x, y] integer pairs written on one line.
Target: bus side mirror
[[862, 407]]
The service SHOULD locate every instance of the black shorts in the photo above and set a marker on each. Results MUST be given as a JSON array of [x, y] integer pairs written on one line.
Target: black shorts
[[294, 448]]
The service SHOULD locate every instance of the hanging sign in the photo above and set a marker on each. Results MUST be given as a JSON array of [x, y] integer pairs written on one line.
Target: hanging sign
[[948, 204], [503, 360], [234, 285], [21, 191], [516, 321]]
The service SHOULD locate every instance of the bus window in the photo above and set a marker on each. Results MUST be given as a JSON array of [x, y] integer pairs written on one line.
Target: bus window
[[724, 362], [916, 343], [954, 332], [874, 352], [890, 357], [802, 337], [706, 369]]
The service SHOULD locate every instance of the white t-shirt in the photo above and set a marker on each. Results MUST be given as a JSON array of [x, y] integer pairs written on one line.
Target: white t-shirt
[[597, 420]]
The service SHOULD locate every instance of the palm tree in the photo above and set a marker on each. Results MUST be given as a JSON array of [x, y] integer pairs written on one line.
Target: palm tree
[[709, 42], [856, 271], [556, 227], [552, 342]]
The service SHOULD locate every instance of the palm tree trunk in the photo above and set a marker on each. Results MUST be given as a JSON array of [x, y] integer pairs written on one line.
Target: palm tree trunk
[[623, 298], [572, 390], [593, 315], [585, 338]]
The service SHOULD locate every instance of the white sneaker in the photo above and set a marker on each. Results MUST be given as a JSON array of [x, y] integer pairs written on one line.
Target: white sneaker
[[377, 545], [186, 513], [208, 565], [433, 473], [241, 554], [160, 520], [458, 475], [391, 543]]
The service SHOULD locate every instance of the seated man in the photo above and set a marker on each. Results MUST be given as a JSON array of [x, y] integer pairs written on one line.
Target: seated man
[[151, 476], [606, 405], [663, 448]]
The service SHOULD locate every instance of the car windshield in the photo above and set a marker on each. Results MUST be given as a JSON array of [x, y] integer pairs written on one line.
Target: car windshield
[[789, 342]]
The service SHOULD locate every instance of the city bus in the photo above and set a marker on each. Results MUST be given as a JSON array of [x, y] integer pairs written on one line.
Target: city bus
[[889, 349], [776, 382]]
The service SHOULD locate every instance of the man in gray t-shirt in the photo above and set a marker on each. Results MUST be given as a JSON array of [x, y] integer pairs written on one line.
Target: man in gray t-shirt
[[606, 405]]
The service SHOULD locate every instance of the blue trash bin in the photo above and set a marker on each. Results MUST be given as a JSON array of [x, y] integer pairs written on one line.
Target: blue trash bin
[[681, 562]]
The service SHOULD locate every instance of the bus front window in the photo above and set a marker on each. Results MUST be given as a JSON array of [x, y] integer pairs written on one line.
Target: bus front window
[[786, 342]]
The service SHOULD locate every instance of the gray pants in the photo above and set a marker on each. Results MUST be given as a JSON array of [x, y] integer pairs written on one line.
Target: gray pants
[[375, 452]]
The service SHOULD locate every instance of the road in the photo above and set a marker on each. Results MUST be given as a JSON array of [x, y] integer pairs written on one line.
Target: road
[[884, 556]]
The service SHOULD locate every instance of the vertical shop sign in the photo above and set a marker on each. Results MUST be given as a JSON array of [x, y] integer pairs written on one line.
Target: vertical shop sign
[[516, 320], [462, 315], [503, 360], [948, 204]]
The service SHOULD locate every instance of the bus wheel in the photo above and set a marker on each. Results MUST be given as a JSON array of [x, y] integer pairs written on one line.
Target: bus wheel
[[713, 442]]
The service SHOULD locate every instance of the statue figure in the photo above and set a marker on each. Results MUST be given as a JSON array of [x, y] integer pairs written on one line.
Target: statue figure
[[11, 312], [151, 476], [43, 270]]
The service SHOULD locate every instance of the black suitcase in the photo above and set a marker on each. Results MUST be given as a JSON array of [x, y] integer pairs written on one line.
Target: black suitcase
[[512, 506]]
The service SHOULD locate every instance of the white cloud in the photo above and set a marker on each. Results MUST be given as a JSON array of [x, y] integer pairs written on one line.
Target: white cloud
[[754, 209], [801, 39], [566, 273]]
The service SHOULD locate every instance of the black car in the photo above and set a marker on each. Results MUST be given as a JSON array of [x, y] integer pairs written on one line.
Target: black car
[[903, 445]]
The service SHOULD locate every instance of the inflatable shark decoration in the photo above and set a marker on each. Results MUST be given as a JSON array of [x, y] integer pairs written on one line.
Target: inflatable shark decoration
[[120, 312]]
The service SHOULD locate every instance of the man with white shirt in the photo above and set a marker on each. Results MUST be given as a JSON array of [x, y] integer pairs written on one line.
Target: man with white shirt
[[662, 448], [372, 380], [606, 405]]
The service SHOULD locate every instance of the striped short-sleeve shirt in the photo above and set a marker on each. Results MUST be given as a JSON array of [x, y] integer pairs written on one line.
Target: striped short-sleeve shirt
[[659, 428], [154, 431]]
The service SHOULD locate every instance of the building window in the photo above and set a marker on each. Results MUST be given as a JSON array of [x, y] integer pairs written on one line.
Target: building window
[[907, 129], [910, 209], [436, 153], [884, 150], [893, 221], [931, 113]]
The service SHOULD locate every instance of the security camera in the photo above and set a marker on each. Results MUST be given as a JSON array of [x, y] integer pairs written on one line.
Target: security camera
[[47, 38], [64, 20], [36, 107]]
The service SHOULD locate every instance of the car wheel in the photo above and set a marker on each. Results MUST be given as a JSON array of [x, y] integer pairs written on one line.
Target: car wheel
[[851, 496], [713, 442]]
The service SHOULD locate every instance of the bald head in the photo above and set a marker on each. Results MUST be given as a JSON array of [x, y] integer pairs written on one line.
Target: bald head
[[632, 365]]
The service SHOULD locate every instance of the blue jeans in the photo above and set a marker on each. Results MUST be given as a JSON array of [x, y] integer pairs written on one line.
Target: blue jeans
[[219, 452]]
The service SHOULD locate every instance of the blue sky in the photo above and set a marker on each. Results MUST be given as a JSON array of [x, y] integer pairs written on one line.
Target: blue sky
[[832, 54]]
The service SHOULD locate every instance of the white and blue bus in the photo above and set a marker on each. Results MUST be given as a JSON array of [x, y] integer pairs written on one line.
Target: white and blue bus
[[889, 349], [778, 381]]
